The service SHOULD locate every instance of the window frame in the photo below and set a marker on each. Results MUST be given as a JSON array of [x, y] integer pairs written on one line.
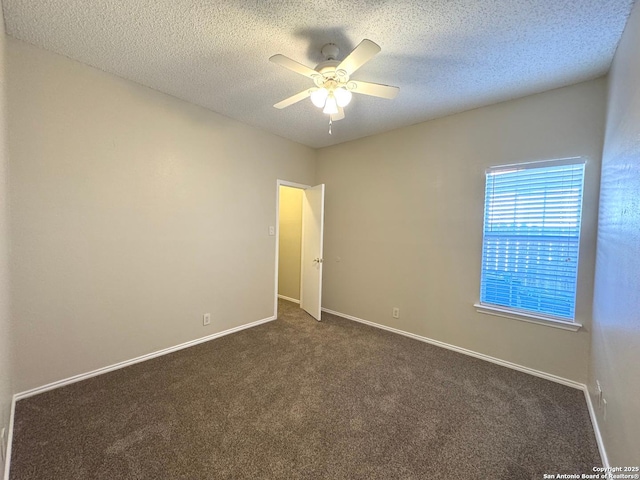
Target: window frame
[[526, 315]]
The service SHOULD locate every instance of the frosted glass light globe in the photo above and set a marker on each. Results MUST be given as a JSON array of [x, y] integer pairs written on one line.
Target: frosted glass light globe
[[343, 96], [319, 97], [331, 105]]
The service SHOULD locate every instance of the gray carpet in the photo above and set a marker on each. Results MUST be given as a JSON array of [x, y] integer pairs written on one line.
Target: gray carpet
[[296, 398]]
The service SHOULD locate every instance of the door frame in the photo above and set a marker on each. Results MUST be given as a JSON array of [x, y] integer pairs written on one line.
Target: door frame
[[283, 183]]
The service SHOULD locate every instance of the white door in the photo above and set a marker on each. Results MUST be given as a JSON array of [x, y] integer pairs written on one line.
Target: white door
[[311, 261]]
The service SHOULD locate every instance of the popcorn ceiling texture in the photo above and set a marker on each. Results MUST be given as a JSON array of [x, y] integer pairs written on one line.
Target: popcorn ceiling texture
[[446, 56]]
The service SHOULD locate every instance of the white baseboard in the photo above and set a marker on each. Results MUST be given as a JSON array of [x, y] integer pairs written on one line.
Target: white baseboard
[[289, 299], [110, 368], [504, 363], [142, 358], [7, 459], [596, 428], [482, 356]]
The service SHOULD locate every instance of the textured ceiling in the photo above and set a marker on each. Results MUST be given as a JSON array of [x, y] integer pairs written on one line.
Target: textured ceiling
[[445, 55]]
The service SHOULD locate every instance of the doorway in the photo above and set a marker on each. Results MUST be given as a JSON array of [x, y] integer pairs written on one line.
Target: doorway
[[299, 235]]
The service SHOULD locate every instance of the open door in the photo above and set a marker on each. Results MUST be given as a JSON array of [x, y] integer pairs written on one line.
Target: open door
[[311, 257]]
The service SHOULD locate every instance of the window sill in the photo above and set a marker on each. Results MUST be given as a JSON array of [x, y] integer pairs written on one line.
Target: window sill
[[527, 317]]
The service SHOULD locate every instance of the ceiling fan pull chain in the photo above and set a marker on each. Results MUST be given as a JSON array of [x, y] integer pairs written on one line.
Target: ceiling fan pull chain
[[330, 123]]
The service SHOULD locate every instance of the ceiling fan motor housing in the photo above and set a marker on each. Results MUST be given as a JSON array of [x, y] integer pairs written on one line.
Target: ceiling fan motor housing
[[328, 67]]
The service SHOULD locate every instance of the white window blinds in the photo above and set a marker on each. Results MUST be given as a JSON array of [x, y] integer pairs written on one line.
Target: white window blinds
[[531, 238]]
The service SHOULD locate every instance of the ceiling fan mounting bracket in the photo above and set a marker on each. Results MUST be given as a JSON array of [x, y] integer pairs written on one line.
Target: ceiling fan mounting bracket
[[330, 51]]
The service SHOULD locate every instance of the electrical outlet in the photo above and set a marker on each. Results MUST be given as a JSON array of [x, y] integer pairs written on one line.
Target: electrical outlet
[[206, 319], [396, 312]]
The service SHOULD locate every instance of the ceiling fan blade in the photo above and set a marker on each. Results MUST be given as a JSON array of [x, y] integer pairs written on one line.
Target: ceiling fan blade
[[338, 116], [295, 98], [373, 89], [294, 66], [360, 55]]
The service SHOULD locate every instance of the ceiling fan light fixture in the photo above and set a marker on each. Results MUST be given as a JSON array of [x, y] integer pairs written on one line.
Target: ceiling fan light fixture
[[333, 87], [343, 96], [331, 106], [319, 97]]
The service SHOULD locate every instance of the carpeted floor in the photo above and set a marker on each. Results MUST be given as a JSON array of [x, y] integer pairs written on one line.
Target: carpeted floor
[[296, 398]]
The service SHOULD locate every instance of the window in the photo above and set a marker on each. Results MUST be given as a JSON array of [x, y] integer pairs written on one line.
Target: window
[[531, 239]]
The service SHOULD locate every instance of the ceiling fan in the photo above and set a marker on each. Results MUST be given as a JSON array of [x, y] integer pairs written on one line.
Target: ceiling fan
[[332, 79]]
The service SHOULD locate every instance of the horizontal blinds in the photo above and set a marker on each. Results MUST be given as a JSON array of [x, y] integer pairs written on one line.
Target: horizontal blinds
[[531, 238]]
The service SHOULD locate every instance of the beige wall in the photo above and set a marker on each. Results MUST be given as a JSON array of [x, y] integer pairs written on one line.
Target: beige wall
[[6, 373], [404, 213], [124, 230], [615, 358], [290, 242]]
